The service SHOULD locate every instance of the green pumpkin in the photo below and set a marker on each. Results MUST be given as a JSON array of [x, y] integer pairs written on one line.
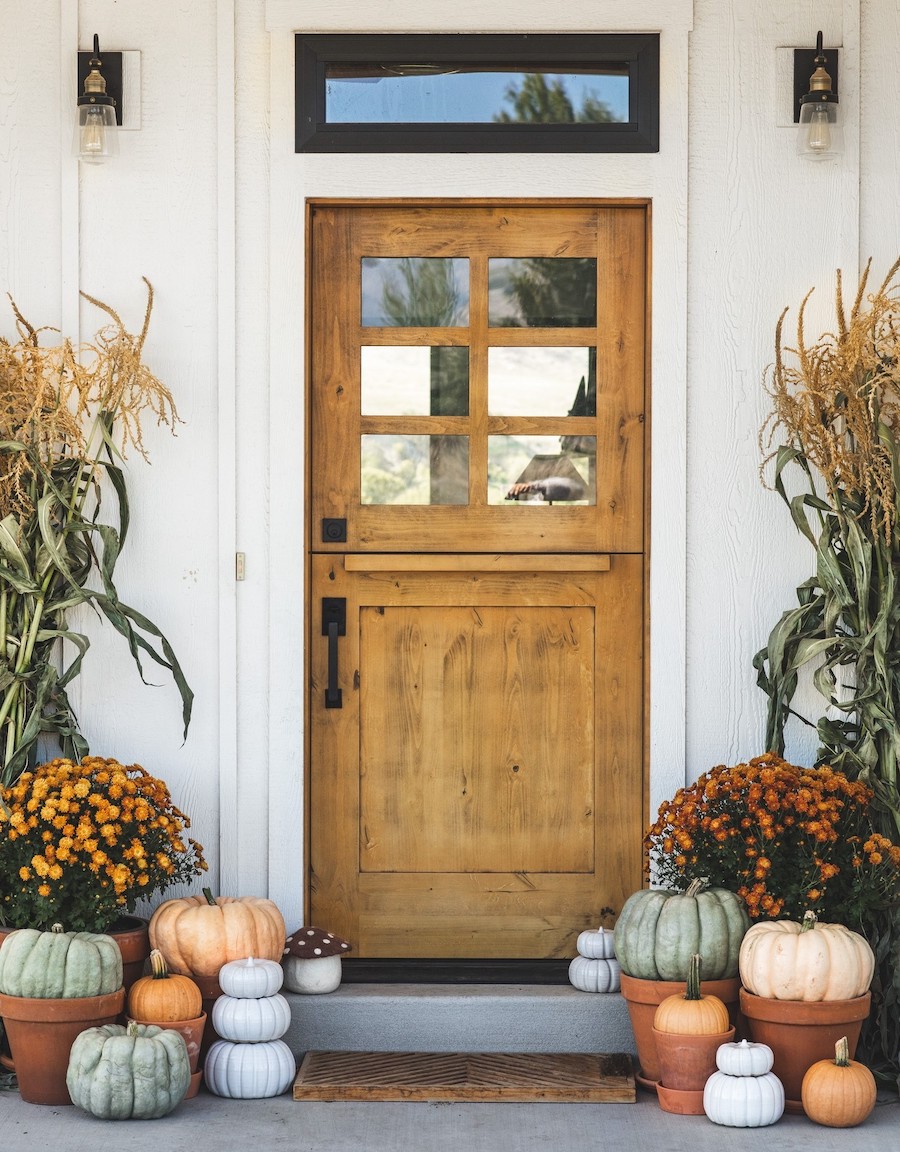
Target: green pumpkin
[[57, 965], [136, 1073], [658, 931]]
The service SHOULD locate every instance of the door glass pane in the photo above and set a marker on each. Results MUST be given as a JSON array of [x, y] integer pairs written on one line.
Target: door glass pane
[[542, 469], [415, 292], [414, 381], [414, 469], [424, 93], [542, 381], [542, 292]]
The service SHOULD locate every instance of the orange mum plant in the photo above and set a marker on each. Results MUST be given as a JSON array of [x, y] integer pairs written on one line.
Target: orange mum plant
[[81, 843], [786, 839]]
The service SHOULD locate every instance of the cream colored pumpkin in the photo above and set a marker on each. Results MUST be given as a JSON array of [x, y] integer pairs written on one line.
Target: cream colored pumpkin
[[786, 960]]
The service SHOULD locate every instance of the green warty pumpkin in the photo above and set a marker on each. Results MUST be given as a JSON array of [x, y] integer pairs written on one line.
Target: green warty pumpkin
[[658, 931], [136, 1073], [57, 965]]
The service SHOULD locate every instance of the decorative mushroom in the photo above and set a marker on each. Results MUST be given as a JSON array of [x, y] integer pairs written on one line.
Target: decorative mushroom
[[312, 960]]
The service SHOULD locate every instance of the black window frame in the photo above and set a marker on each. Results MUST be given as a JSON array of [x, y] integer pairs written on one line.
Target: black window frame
[[638, 51]]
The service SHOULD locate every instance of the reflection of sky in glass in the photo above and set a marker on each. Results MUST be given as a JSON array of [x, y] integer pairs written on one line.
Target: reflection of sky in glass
[[462, 98], [400, 381], [534, 381], [379, 273]]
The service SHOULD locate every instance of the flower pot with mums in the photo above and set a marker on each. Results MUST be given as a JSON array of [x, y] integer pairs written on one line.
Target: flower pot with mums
[[81, 843]]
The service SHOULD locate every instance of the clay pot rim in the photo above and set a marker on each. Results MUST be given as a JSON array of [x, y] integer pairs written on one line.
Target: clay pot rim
[[191, 1021], [653, 991], [49, 1009], [722, 1037], [805, 1011]]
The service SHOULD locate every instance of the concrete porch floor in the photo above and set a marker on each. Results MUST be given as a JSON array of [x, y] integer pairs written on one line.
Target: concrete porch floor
[[211, 1124]]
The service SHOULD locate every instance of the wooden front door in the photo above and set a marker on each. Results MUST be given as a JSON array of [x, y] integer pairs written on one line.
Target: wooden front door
[[476, 449]]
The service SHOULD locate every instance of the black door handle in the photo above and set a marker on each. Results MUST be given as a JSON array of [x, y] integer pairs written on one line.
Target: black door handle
[[334, 624]]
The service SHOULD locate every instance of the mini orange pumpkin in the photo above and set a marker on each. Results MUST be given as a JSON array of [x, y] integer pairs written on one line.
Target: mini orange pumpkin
[[838, 1093], [163, 995], [692, 1014], [198, 934]]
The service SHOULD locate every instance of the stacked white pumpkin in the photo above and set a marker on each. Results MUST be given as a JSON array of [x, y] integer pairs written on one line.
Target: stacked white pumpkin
[[250, 1061], [744, 1092], [595, 968]]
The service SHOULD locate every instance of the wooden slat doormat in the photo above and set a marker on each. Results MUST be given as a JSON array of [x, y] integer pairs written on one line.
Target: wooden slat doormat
[[462, 1076]]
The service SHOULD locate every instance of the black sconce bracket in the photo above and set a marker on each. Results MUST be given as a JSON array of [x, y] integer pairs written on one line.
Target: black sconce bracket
[[111, 72], [804, 66]]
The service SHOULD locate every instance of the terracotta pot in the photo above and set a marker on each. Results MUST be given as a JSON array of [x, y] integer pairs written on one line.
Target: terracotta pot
[[686, 1062], [800, 1032], [191, 1030], [210, 991], [132, 934], [41, 1033], [644, 997], [679, 1101]]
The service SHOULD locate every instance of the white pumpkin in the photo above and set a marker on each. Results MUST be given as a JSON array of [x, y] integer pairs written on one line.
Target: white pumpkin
[[745, 1059], [599, 975], [251, 978], [743, 1101], [251, 1021], [249, 1071], [787, 960], [597, 944]]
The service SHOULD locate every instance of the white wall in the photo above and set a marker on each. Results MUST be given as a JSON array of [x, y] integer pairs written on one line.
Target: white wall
[[210, 207]]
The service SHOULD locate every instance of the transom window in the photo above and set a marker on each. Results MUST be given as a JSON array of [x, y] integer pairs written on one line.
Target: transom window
[[552, 93]]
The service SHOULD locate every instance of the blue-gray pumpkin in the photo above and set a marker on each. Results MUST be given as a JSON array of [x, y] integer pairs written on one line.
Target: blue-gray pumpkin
[[136, 1073], [658, 931]]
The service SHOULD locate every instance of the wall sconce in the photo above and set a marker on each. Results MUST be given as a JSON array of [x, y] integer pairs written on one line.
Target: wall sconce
[[99, 112], [816, 102]]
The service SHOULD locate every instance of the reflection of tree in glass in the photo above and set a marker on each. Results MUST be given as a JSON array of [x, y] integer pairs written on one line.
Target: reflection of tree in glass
[[553, 292], [424, 294], [538, 101], [427, 296]]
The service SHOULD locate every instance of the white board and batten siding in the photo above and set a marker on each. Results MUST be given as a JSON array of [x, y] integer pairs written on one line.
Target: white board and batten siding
[[210, 207]]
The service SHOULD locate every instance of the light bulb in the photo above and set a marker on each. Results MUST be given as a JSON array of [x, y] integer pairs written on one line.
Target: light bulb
[[818, 136], [95, 135]]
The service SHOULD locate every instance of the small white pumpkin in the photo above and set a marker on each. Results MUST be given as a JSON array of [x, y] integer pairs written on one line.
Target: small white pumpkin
[[745, 1059], [597, 943], [598, 975], [251, 1021], [251, 978], [743, 1101], [249, 1071]]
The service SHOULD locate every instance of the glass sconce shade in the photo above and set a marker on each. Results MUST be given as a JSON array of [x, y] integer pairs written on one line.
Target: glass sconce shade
[[820, 132], [96, 136]]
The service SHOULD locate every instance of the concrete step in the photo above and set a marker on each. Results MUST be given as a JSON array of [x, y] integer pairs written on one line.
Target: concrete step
[[459, 1018]]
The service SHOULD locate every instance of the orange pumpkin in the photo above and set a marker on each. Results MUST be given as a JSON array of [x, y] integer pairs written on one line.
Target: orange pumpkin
[[164, 995], [198, 934], [838, 1093], [692, 1014]]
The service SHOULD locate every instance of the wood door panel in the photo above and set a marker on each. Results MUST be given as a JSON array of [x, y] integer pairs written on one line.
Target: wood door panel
[[476, 739]]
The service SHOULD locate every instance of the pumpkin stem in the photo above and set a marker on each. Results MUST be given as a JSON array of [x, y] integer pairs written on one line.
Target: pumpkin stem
[[131, 1028], [842, 1053], [210, 899], [693, 978], [57, 928], [809, 920], [158, 967], [697, 885]]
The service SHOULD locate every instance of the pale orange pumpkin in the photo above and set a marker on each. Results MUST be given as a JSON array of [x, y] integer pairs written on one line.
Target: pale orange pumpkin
[[838, 1093], [198, 934], [164, 995], [692, 1014]]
